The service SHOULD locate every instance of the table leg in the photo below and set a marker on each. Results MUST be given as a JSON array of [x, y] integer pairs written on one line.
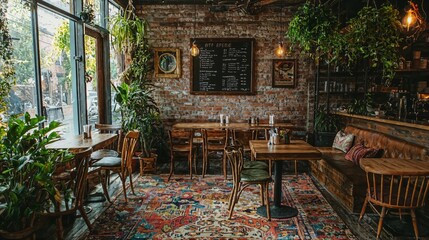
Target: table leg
[[277, 210]]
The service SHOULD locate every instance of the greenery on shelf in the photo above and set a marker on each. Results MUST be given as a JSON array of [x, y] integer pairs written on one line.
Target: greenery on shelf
[[138, 108], [315, 29], [374, 37], [26, 169], [325, 122], [361, 106]]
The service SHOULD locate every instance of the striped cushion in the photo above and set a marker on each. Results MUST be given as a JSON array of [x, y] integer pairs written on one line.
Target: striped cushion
[[359, 151]]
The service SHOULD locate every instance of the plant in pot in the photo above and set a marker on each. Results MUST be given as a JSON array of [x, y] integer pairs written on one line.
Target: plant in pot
[[373, 37], [326, 126], [26, 169], [134, 95]]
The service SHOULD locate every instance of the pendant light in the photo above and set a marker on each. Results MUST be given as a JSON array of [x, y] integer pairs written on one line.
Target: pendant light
[[280, 50], [195, 51]]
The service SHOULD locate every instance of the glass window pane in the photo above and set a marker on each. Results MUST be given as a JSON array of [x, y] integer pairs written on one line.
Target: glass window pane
[[91, 79], [23, 94], [54, 41], [62, 4], [115, 69], [96, 6]]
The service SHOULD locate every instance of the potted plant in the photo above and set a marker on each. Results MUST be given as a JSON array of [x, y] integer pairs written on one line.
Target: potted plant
[[326, 126], [26, 169], [374, 37], [138, 108]]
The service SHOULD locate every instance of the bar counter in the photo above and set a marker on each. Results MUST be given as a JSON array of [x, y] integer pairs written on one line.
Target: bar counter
[[389, 120]]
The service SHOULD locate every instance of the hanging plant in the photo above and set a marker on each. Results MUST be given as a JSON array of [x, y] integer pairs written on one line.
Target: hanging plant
[[374, 37], [314, 29], [128, 30], [7, 70]]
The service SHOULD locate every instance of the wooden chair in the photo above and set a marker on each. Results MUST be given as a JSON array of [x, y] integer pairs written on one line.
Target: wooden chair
[[214, 141], [122, 165], [113, 150], [395, 191], [181, 143], [244, 136], [242, 178], [75, 179]]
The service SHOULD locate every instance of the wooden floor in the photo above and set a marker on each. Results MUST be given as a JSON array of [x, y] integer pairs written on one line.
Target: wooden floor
[[76, 229]]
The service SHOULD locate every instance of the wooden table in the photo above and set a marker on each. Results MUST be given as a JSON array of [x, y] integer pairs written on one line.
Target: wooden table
[[73, 143], [296, 150], [395, 166], [237, 126]]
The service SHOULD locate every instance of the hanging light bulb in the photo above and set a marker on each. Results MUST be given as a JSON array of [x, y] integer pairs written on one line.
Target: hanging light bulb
[[280, 50], [410, 19], [195, 51]]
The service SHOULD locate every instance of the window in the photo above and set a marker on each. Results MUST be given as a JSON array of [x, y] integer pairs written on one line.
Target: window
[[115, 68], [22, 97], [56, 70]]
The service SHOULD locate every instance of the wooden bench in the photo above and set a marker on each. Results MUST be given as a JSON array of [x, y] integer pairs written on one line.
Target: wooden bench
[[345, 180]]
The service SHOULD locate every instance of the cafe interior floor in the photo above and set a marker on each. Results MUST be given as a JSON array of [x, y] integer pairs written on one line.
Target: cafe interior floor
[[76, 228]]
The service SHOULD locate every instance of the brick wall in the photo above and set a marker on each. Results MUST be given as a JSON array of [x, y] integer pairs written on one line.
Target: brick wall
[[172, 26]]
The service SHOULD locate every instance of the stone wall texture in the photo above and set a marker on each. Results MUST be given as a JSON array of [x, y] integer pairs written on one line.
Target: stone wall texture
[[173, 26]]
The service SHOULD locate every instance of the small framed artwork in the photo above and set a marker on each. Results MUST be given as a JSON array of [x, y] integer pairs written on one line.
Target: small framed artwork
[[284, 72], [167, 63]]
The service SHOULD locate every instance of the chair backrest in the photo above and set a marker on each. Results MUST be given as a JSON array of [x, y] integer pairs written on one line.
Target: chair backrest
[[81, 161], [396, 191], [128, 149], [234, 154], [215, 137], [109, 128], [244, 136], [180, 140], [260, 134]]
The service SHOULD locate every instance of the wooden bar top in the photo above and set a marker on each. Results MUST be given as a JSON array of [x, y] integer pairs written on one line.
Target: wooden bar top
[[409, 123], [97, 141], [395, 166], [237, 126], [296, 150]]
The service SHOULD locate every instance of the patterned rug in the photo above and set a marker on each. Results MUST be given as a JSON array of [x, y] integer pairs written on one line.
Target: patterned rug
[[198, 209]]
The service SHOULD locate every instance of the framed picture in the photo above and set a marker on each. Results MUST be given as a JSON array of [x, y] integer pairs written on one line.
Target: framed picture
[[284, 72], [167, 63]]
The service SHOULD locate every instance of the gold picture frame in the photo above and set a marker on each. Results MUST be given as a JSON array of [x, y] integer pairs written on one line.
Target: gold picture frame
[[284, 73], [167, 63]]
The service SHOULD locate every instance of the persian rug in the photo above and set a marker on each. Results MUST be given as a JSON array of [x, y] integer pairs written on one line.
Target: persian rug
[[198, 209]]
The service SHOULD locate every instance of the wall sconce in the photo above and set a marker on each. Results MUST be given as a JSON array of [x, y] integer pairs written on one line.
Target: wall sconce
[[280, 50]]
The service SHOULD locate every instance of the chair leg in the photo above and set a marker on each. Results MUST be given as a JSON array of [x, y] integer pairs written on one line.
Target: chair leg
[[123, 178], [224, 165], [414, 219], [296, 168], [104, 185], [85, 217], [59, 226], [131, 183], [171, 167], [204, 171], [362, 212], [234, 201], [262, 191], [270, 167], [380, 222], [190, 164], [231, 197]]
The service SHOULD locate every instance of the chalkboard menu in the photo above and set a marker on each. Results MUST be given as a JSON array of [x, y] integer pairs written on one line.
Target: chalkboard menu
[[224, 66]]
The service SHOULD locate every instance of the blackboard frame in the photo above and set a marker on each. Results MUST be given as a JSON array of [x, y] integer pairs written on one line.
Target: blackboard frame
[[200, 42]]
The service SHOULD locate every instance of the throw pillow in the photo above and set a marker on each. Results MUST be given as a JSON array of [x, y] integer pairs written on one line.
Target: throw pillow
[[359, 151], [343, 141]]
